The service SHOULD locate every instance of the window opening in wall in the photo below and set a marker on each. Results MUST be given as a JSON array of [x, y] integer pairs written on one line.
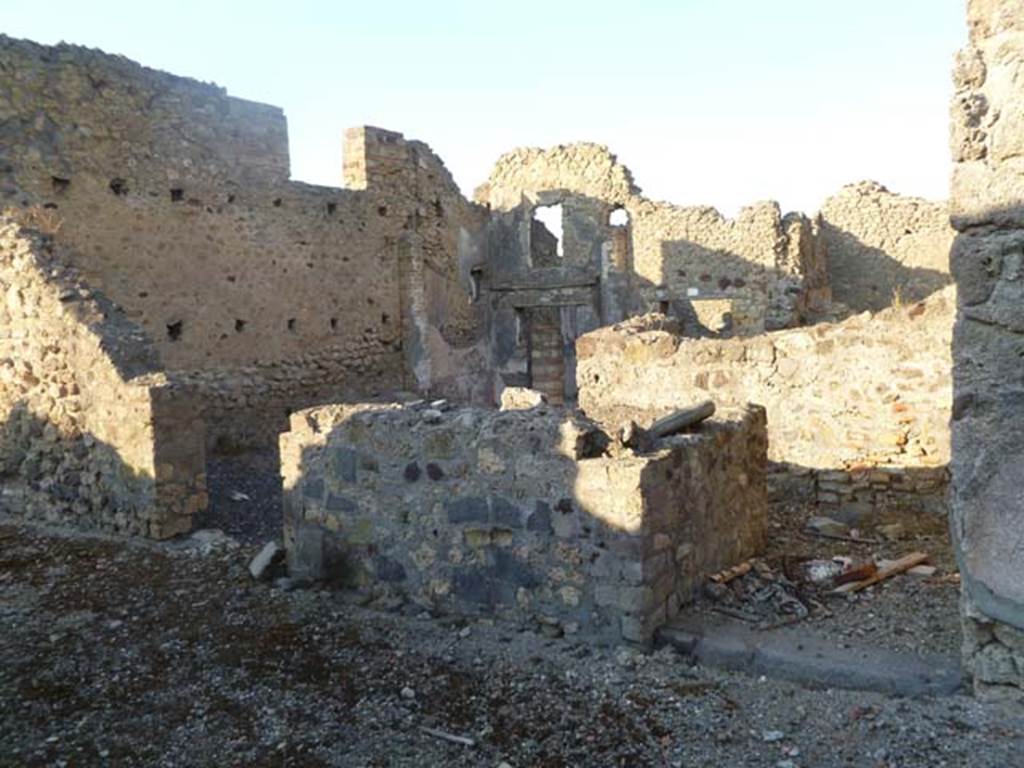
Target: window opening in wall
[[550, 216], [177, 195], [291, 323], [119, 186], [174, 330], [277, 202], [332, 207], [384, 318], [619, 217], [239, 326], [334, 323]]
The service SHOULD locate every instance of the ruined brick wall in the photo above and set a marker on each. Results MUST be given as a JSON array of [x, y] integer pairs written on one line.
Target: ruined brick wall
[[176, 201], [987, 141], [496, 512], [762, 265], [884, 248], [857, 410], [90, 434], [442, 239]]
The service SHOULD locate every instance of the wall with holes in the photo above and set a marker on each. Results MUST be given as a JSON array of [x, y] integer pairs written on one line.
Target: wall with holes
[[176, 200], [91, 433]]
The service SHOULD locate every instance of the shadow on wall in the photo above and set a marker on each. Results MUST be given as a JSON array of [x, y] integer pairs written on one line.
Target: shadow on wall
[[719, 294], [595, 281], [914, 496], [519, 513], [52, 477], [866, 278]]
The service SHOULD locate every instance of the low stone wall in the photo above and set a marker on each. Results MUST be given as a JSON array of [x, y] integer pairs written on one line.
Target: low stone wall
[[91, 433], [519, 513], [858, 411]]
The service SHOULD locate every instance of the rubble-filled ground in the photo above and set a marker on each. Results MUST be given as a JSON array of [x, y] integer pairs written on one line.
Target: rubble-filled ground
[[906, 612], [116, 652]]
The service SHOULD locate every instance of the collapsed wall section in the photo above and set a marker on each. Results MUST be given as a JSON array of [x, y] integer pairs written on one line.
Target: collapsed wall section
[[91, 433], [987, 141], [857, 411], [519, 514]]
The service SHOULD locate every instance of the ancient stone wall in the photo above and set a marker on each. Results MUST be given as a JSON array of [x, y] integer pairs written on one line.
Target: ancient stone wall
[[857, 411], [176, 201], [518, 513], [761, 266], [987, 260], [91, 432], [883, 248]]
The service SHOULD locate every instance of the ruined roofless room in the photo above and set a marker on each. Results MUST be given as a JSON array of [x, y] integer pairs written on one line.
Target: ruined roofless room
[[324, 447]]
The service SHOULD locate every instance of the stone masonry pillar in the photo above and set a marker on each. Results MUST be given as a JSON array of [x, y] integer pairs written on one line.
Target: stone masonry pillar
[[987, 208]]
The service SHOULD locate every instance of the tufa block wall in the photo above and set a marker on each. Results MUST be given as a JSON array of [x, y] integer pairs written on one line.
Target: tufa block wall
[[987, 141], [482, 511], [91, 434], [858, 411]]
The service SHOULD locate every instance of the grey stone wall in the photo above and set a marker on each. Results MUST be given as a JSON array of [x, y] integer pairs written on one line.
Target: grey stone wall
[[519, 513], [987, 204]]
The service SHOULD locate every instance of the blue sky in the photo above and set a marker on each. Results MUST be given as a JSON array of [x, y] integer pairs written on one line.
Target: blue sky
[[719, 102]]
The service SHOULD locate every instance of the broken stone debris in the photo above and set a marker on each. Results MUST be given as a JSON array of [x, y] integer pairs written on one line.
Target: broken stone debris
[[827, 526], [262, 566], [521, 399], [760, 595]]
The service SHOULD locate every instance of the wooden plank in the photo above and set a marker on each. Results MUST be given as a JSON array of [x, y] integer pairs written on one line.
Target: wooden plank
[[905, 563]]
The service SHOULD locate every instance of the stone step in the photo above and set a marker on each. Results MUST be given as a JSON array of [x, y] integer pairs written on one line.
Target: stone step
[[799, 655]]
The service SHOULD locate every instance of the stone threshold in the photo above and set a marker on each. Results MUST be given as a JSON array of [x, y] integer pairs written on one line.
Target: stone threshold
[[801, 656]]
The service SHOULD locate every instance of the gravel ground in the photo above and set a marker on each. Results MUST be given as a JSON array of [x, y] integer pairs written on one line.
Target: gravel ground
[[116, 652], [256, 518]]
